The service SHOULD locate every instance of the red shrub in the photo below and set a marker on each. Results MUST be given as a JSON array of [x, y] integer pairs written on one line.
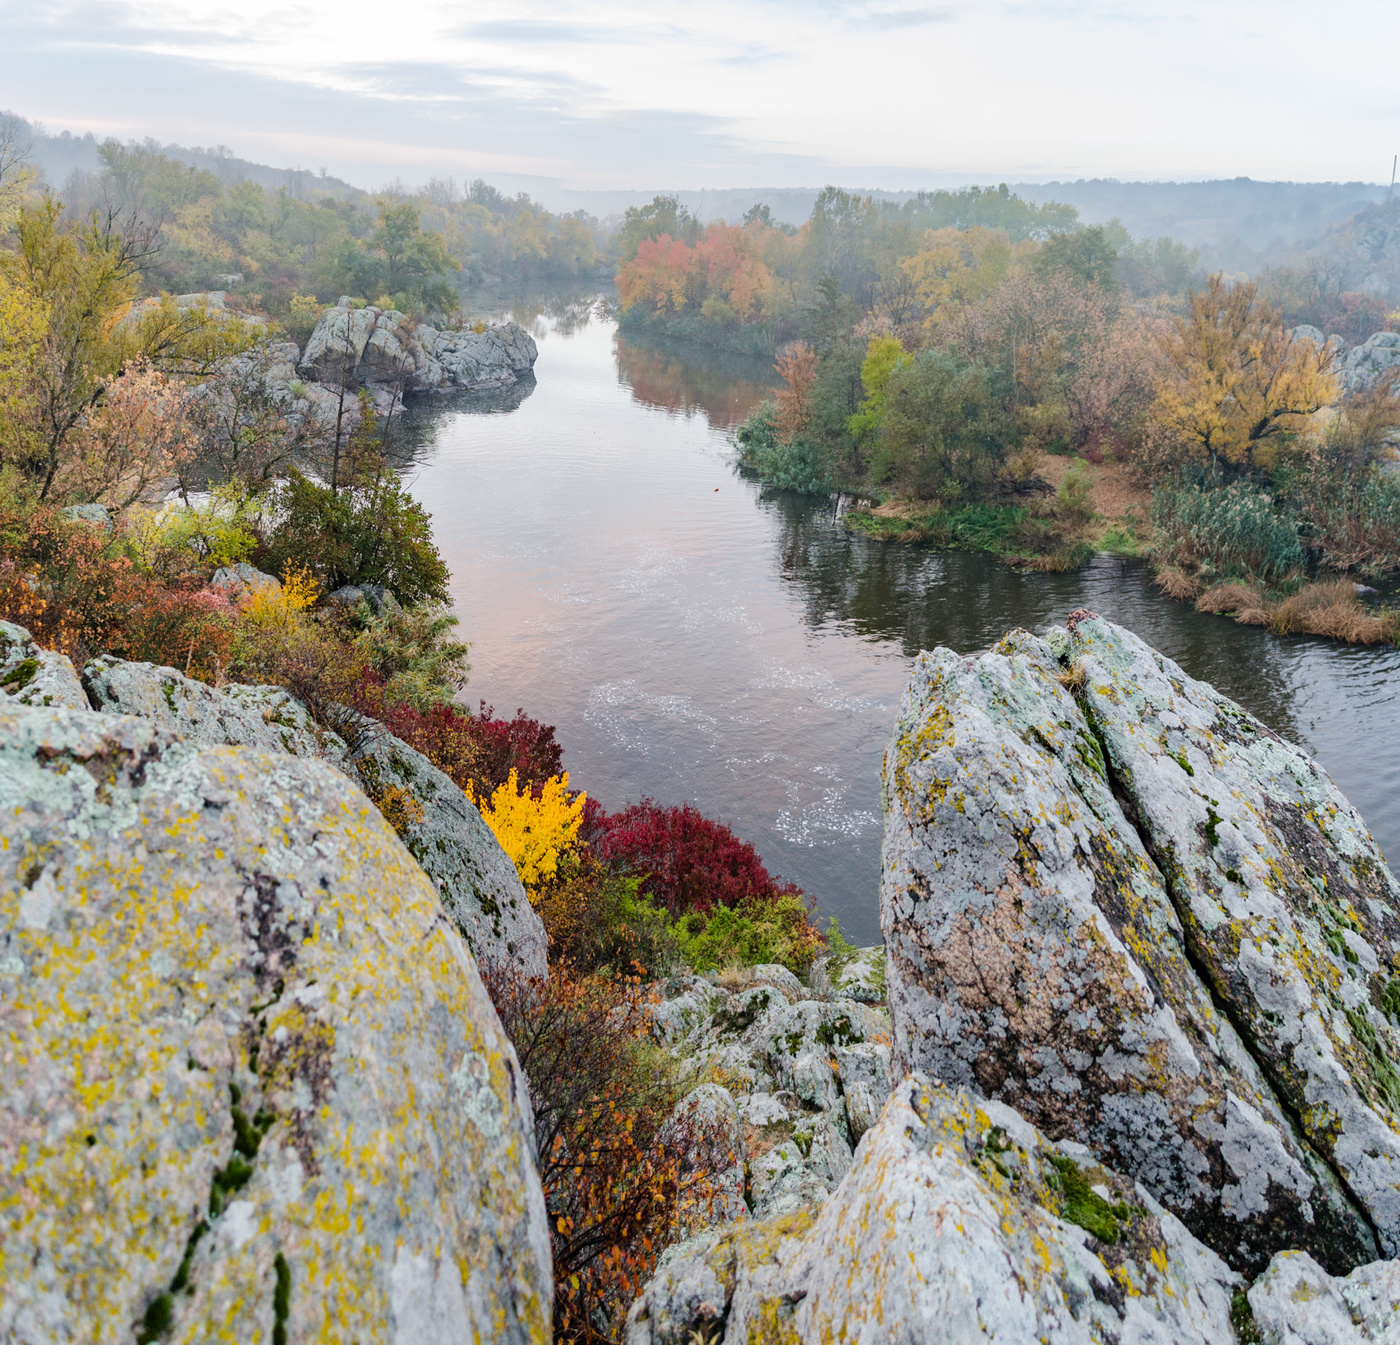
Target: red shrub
[[522, 745], [479, 749], [691, 863]]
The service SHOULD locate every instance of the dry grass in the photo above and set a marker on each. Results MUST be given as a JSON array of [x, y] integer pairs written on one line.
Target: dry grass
[[1332, 610], [1329, 609], [1073, 679], [1176, 583]]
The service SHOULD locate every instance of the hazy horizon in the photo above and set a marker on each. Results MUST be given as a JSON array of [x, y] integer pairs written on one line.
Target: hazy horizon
[[590, 97]]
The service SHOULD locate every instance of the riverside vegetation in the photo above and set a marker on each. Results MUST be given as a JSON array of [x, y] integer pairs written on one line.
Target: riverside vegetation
[[986, 373]]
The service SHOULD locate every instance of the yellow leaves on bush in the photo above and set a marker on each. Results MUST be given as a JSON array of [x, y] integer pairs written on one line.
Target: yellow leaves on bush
[[399, 808], [299, 587], [269, 605], [534, 832], [1238, 385]]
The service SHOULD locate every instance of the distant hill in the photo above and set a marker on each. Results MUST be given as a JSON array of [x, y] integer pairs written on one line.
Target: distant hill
[[59, 156], [1238, 224]]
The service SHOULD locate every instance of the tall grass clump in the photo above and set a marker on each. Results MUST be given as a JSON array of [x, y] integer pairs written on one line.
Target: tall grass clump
[[1210, 532], [1354, 525]]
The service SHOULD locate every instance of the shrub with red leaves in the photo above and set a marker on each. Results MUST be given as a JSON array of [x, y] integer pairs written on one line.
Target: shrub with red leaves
[[690, 862], [474, 749]]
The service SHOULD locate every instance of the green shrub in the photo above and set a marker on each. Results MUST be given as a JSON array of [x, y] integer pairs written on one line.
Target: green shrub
[[795, 466], [758, 930], [1224, 531], [373, 533]]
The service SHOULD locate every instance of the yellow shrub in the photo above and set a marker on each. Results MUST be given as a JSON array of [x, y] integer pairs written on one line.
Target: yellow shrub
[[534, 832], [299, 587]]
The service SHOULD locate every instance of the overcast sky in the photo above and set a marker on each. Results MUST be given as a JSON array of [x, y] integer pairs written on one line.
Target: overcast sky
[[715, 93]]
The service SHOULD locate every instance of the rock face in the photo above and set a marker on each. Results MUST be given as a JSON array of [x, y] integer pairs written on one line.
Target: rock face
[[958, 1222], [1036, 954], [384, 346], [33, 676], [1287, 905], [805, 1079], [855, 975], [1117, 902], [442, 828], [254, 1088], [1362, 365], [1296, 1302]]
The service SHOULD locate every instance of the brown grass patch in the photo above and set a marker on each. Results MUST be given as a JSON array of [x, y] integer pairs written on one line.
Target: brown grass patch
[[1229, 598], [1331, 610], [1176, 583]]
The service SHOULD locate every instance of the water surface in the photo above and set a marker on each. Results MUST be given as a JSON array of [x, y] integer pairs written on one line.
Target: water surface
[[696, 637]]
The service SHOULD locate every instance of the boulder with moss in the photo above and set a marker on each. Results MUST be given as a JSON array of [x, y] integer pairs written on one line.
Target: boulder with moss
[[1037, 954], [957, 1222], [441, 826], [254, 1088], [33, 676]]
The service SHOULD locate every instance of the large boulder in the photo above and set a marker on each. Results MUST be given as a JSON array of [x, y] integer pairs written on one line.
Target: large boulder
[[384, 346], [1296, 1302], [1288, 907], [1360, 368], [958, 1222], [254, 1088], [441, 826], [1036, 954]]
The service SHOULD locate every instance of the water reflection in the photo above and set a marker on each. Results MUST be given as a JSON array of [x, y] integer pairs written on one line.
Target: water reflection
[[684, 379], [695, 637]]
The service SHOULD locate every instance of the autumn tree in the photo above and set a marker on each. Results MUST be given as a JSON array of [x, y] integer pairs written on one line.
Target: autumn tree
[[80, 280], [1238, 385], [797, 367]]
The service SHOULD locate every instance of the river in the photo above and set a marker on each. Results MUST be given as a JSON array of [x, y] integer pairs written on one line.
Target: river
[[696, 637]]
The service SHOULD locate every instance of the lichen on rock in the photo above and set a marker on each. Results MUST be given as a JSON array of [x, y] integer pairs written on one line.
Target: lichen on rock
[[1288, 907], [252, 1078], [1035, 954], [441, 826], [957, 1222]]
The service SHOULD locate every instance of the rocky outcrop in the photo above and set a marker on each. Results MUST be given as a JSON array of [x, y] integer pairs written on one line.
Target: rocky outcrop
[[443, 829], [806, 1078], [1296, 1302], [33, 676], [254, 1088], [1360, 368], [858, 974], [957, 1222], [1117, 902], [1288, 907], [373, 345], [1036, 954]]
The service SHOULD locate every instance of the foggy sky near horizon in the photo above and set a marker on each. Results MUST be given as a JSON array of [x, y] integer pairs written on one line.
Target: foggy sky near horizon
[[717, 93]]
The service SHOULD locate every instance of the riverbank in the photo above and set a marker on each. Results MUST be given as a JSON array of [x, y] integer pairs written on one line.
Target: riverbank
[[1331, 606]]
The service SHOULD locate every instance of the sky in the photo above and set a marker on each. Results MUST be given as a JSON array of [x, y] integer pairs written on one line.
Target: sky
[[593, 94]]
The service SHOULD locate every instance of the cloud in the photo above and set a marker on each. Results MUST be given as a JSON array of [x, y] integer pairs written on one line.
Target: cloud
[[881, 93]]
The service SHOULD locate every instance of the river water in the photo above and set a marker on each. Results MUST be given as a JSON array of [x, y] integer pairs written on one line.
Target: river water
[[696, 637]]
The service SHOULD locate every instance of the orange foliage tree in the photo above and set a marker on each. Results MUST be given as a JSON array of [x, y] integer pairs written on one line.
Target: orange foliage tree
[[624, 1176], [797, 367], [723, 276]]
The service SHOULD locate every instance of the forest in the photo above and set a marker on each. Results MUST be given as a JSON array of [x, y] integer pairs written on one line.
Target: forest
[[284, 249], [984, 371]]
